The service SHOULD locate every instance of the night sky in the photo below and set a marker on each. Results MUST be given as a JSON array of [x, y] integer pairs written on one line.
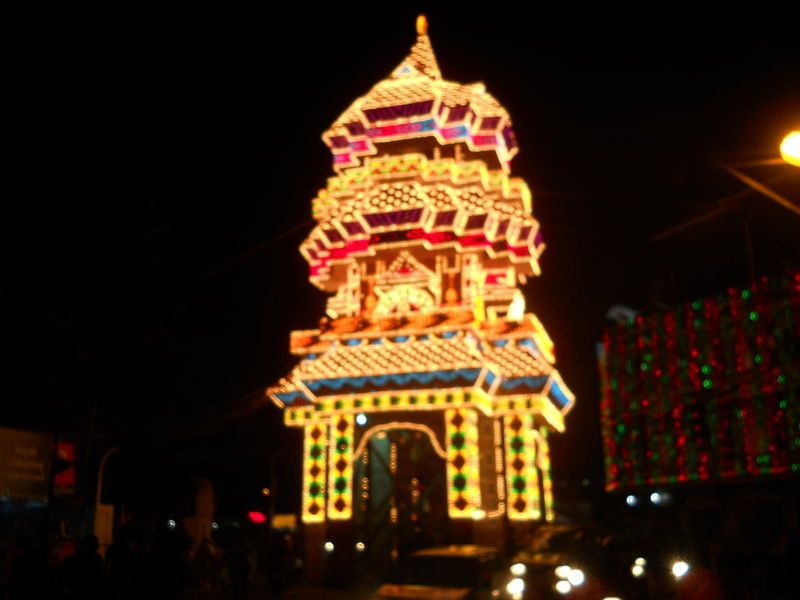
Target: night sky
[[168, 157]]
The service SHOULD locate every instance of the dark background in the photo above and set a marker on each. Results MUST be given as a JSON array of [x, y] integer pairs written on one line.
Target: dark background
[[167, 156]]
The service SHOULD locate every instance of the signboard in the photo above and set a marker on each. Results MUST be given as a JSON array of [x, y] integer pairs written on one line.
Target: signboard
[[25, 460]]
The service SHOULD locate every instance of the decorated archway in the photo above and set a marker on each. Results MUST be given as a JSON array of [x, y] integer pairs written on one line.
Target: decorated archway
[[400, 502]]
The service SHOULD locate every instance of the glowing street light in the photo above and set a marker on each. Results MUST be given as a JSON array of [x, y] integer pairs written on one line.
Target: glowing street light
[[790, 148], [790, 153]]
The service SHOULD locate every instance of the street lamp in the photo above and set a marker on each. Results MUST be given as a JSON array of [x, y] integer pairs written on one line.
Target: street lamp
[[790, 155], [790, 148]]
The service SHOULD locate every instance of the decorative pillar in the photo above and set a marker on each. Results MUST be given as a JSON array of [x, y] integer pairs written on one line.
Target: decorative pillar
[[543, 459], [488, 523], [314, 451], [340, 477], [463, 467], [522, 479]]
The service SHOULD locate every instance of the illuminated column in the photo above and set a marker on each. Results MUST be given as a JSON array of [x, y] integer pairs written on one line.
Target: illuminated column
[[522, 479], [314, 446], [543, 456], [498, 465], [340, 478], [463, 471]]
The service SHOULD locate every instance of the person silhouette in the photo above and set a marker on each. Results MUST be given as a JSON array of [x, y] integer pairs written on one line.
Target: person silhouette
[[238, 563], [82, 573]]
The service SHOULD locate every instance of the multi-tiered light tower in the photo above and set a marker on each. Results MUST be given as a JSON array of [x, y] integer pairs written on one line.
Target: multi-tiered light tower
[[423, 238]]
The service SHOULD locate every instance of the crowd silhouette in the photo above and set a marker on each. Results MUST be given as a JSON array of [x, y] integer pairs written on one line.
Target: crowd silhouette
[[146, 561]]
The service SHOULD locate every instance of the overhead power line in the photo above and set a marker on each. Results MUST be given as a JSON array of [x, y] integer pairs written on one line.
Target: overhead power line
[[255, 249]]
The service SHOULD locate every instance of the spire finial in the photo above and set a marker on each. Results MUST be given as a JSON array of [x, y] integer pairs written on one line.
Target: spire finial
[[422, 25]]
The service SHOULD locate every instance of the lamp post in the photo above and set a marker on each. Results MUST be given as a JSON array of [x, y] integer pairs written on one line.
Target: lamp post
[[790, 155], [103, 513], [790, 148]]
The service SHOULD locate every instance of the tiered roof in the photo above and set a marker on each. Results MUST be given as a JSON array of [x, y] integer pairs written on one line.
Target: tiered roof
[[392, 203], [496, 362], [412, 200], [413, 102]]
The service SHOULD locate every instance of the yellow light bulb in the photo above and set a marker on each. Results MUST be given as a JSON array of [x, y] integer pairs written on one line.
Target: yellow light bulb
[[790, 148], [422, 25]]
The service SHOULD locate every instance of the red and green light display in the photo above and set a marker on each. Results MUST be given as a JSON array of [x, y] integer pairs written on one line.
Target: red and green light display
[[707, 391]]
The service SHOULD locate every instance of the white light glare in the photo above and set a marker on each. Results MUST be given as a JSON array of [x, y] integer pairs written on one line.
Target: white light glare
[[515, 587], [563, 571], [631, 500], [328, 547], [360, 546], [637, 570], [214, 525], [172, 524], [361, 419], [518, 569], [679, 569], [655, 498], [640, 561], [563, 587], [790, 148], [611, 598], [576, 577]]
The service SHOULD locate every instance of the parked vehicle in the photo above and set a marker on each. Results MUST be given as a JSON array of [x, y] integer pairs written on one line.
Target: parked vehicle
[[580, 562], [576, 562]]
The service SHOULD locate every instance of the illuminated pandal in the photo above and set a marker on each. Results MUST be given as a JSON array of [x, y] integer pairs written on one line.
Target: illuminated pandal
[[423, 237]]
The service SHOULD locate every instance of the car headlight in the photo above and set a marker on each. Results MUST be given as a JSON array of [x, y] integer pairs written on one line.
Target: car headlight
[[518, 569], [576, 577], [679, 569], [563, 586], [515, 587], [563, 571]]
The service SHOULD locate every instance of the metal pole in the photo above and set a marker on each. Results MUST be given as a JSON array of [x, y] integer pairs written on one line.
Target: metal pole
[[760, 187], [749, 244], [100, 472], [103, 513]]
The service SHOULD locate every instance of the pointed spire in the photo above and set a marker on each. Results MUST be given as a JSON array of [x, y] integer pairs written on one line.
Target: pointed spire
[[421, 60]]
